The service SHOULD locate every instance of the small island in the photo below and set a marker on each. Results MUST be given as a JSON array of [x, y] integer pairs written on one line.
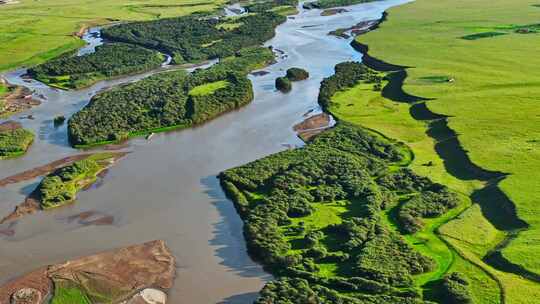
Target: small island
[[109, 60], [14, 139], [60, 187], [283, 84]]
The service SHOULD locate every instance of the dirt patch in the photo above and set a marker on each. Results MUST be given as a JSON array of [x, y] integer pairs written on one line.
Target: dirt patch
[[313, 125], [89, 218], [10, 126], [17, 100], [37, 281], [136, 272], [333, 11]]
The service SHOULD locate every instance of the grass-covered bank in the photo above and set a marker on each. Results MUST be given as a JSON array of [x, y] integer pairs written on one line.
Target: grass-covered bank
[[307, 219], [14, 140], [167, 101], [490, 102], [33, 32]]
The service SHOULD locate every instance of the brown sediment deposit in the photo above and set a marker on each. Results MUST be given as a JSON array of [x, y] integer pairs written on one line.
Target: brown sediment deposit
[[125, 274], [357, 29], [88, 218], [333, 11], [10, 126], [312, 126], [32, 203], [42, 170], [17, 100]]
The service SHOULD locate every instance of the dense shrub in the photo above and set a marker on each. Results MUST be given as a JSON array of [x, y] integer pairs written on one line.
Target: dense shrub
[[283, 84], [296, 74], [108, 60], [14, 142], [346, 75], [163, 101], [313, 215], [455, 289], [196, 38], [61, 186]]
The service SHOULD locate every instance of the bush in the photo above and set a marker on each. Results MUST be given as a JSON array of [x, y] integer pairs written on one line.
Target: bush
[[296, 74], [15, 142], [59, 120], [283, 84], [455, 289]]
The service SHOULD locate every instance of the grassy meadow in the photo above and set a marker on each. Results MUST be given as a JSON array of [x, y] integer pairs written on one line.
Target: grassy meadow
[[487, 87], [32, 32]]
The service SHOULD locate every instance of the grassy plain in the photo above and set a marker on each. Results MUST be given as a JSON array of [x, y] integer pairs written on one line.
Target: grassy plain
[[492, 105], [32, 32], [493, 100]]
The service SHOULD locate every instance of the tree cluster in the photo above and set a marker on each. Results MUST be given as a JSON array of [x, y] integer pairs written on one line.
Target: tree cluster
[[163, 101], [196, 38], [14, 142], [107, 61]]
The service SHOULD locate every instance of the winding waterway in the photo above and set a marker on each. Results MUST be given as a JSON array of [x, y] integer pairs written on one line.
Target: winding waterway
[[167, 187]]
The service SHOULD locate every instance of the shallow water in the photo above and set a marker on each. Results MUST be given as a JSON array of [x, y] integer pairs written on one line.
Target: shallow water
[[167, 187]]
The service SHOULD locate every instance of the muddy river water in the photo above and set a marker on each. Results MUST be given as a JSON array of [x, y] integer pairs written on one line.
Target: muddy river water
[[167, 187]]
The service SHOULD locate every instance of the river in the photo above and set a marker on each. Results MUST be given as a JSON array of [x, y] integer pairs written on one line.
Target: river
[[167, 187]]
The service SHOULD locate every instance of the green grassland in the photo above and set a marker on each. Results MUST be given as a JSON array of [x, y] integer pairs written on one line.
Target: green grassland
[[32, 32], [14, 143], [208, 88], [492, 103]]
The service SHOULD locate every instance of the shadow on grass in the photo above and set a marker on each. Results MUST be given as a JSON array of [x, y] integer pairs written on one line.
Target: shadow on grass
[[496, 207]]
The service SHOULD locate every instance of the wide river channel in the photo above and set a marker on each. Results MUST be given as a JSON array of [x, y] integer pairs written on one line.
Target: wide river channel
[[167, 187]]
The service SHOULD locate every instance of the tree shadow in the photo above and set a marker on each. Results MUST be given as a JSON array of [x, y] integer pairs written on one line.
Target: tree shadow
[[245, 298], [228, 237]]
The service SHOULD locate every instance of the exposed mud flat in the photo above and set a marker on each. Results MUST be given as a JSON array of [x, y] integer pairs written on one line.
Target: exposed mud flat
[[313, 125], [136, 274], [18, 99]]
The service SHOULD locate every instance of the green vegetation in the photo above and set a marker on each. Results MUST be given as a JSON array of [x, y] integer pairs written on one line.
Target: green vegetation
[[15, 142], [109, 60], [208, 88], [283, 84], [59, 120], [496, 135], [69, 295], [61, 186], [196, 38], [317, 216], [323, 4], [282, 7], [32, 32], [167, 101], [297, 74]]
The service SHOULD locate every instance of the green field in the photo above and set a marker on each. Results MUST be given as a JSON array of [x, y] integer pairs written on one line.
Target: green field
[[32, 32], [480, 83]]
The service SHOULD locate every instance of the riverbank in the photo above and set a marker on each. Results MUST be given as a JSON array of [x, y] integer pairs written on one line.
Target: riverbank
[[453, 146]]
